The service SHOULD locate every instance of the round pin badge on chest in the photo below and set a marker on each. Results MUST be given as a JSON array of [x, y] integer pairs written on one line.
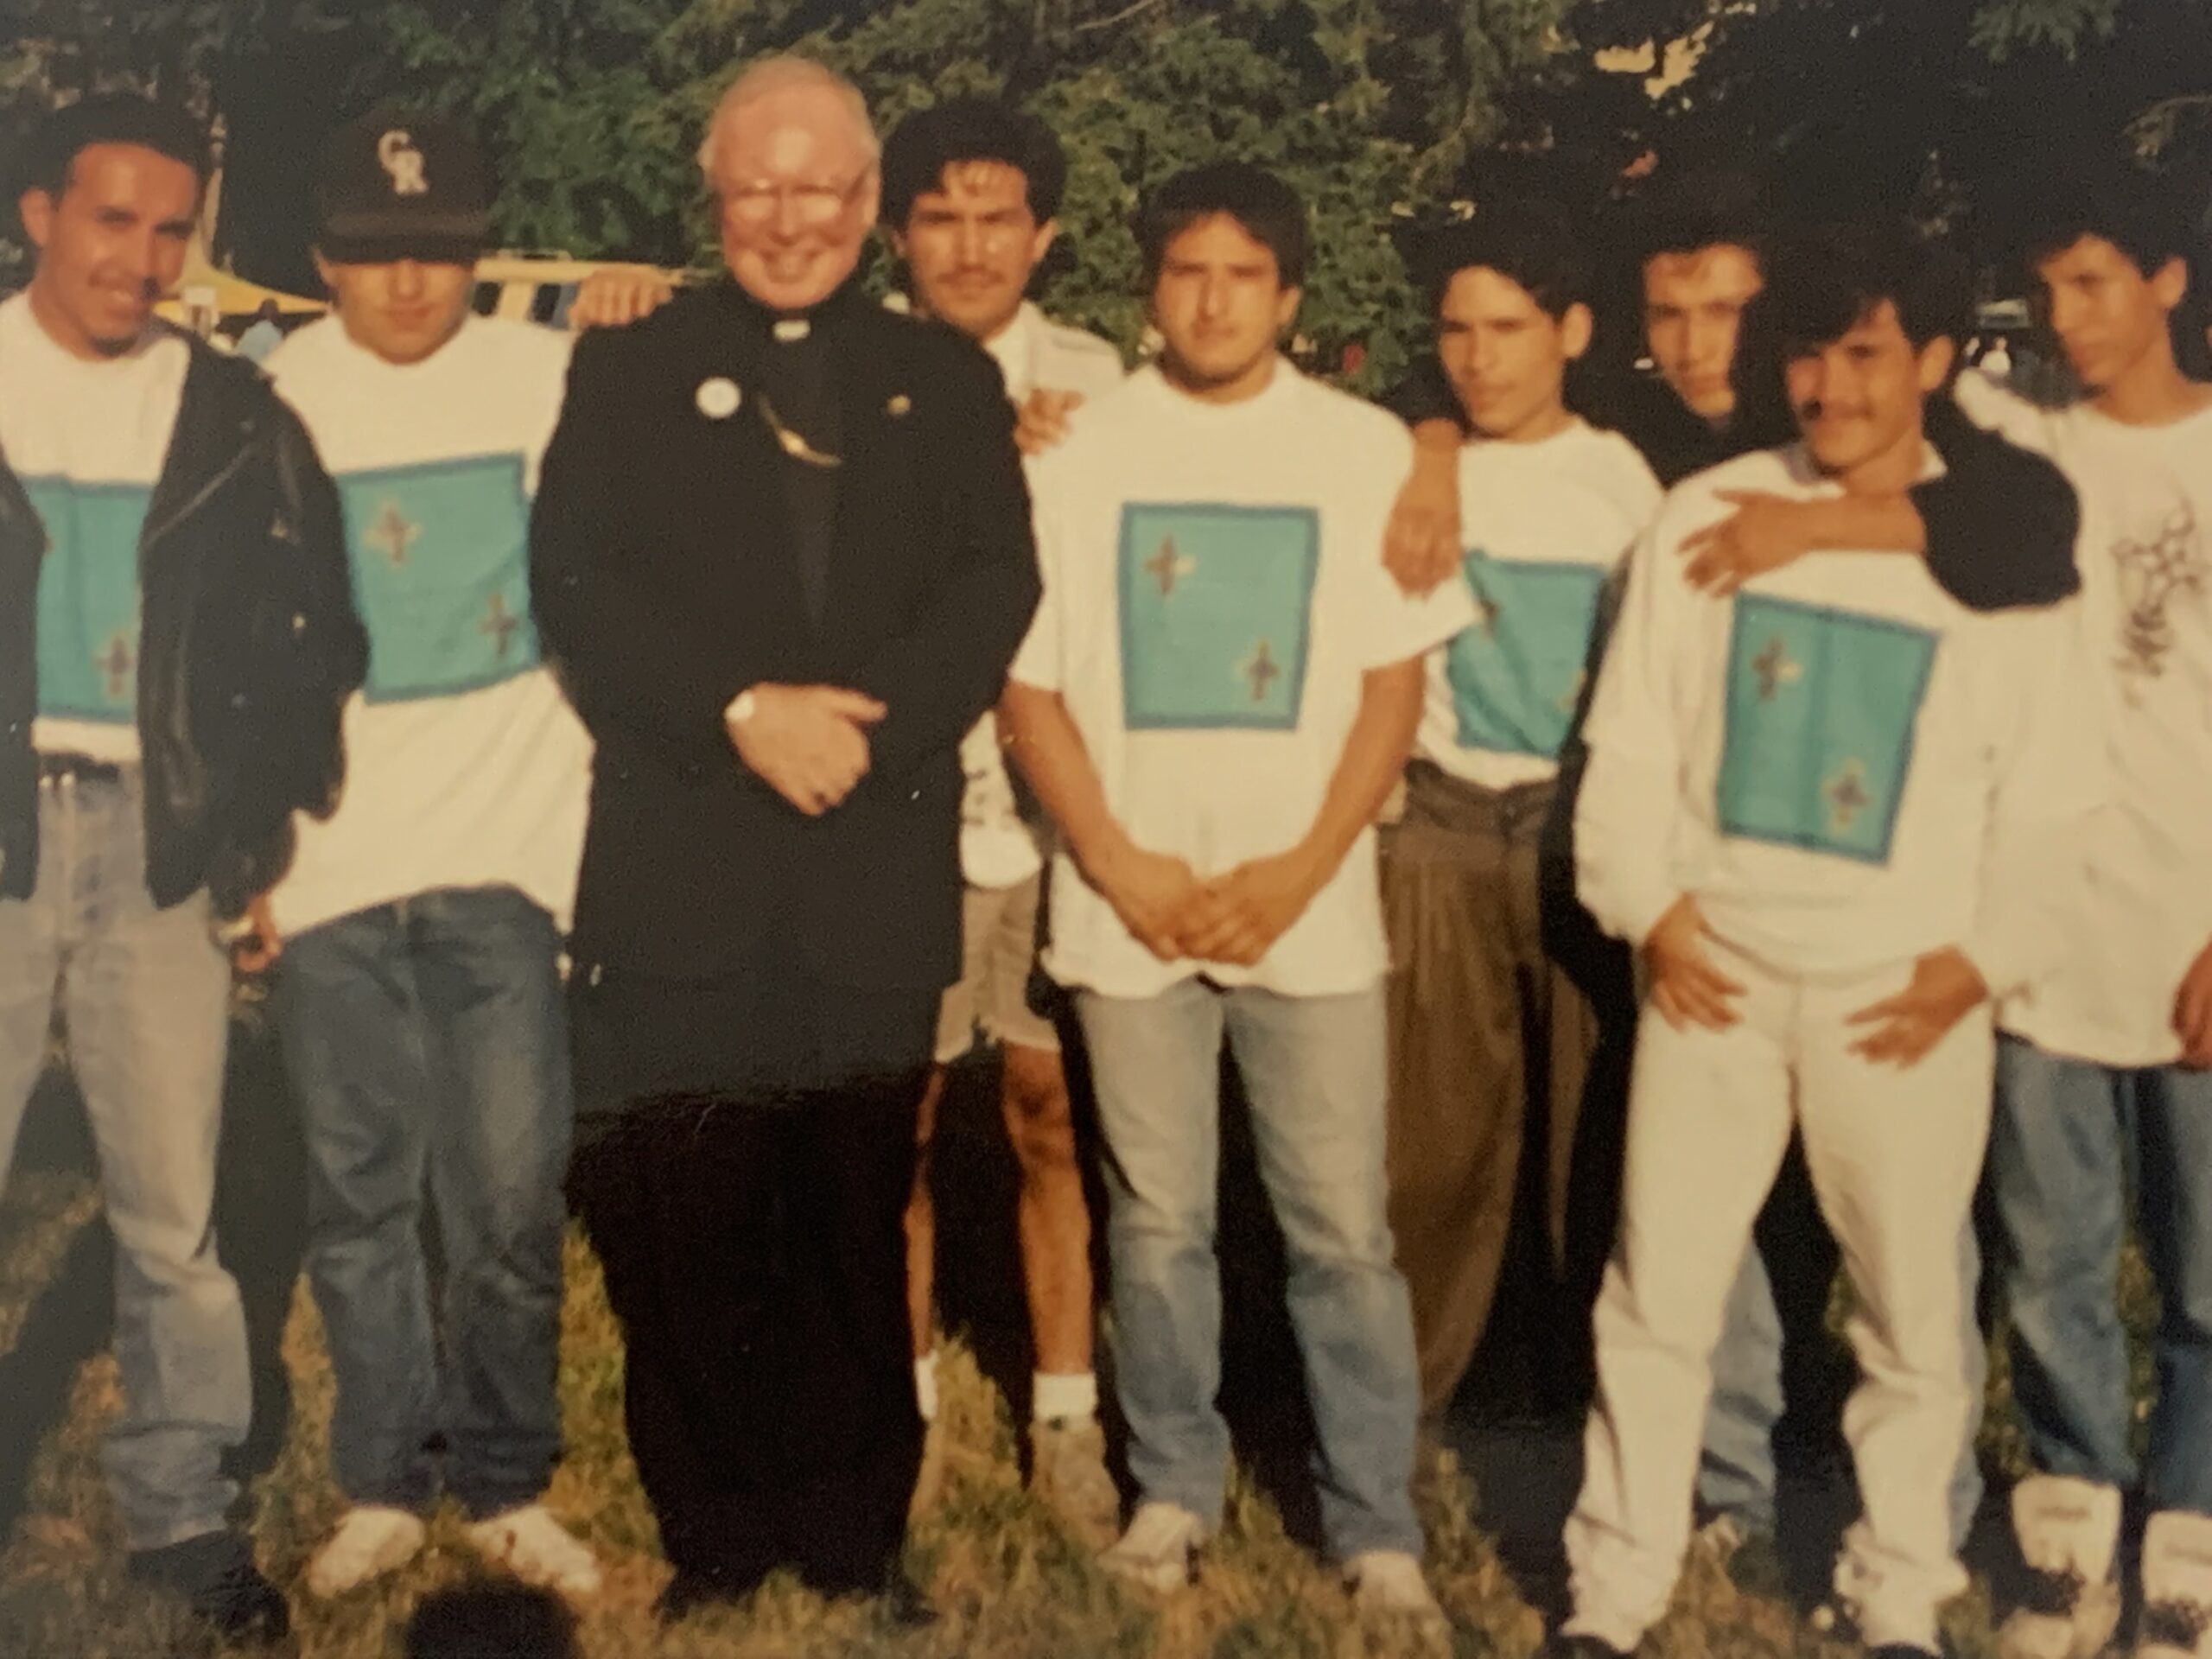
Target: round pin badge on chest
[[718, 397]]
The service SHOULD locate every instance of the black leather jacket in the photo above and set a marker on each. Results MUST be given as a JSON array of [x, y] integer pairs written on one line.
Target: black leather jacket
[[248, 646]]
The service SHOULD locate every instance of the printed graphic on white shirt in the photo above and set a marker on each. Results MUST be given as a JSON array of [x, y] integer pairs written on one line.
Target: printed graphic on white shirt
[[442, 572], [1516, 675], [1217, 608], [88, 608], [1821, 706], [2158, 559]]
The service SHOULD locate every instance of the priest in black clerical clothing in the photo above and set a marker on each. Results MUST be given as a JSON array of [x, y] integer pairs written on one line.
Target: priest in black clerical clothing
[[781, 555]]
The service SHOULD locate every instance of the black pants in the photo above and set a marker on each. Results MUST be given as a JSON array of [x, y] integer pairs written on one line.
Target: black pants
[[752, 1240]]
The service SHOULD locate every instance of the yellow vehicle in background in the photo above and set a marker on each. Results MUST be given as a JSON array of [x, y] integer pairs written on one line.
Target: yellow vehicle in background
[[219, 305]]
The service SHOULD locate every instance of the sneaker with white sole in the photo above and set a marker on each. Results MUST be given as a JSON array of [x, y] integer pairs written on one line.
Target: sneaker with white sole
[[1156, 1550], [2177, 1619], [372, 1541], [1389, 1581], [2068, 1533], [538, 1549]]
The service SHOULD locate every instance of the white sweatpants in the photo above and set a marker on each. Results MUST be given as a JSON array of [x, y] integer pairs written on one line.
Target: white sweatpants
[[1894, 1156]]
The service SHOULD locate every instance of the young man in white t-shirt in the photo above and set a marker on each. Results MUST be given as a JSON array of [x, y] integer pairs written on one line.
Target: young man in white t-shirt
[[1836, 811], [418, 999], [1502, 991], [2102, 1078], [970, 190], [1220, 688]]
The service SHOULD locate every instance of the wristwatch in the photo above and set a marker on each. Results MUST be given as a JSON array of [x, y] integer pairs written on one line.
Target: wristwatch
[[742, 707]]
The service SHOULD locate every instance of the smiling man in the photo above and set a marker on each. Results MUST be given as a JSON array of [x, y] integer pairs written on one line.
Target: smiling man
[[176, 642], [1220, 688], [1838, 813], [781, 553]]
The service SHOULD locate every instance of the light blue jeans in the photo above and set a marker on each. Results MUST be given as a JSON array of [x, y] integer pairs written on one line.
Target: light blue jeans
[[146, 996], [1314, 1071], [2071, 1138], [427, 1039], [1736, 1473]]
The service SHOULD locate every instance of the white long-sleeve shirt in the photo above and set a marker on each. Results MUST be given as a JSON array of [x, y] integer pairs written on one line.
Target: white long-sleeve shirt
[[1844, 766]]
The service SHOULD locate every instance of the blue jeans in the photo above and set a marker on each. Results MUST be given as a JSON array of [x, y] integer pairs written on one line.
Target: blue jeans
[[1313, 1068], [2069, 1135], [426, 1038], [146, 994], [1736, 1473]]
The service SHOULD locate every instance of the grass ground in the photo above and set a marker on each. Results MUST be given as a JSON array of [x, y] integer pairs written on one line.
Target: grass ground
[[1004, 1581]]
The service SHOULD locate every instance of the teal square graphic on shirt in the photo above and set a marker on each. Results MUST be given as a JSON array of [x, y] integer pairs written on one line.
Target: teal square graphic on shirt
[[439, 553], [1820, 711], [1216, 615], [1517, 672], [88, 598]]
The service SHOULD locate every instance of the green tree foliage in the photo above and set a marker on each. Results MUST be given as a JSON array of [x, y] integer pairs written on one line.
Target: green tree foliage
[[1382, 112]]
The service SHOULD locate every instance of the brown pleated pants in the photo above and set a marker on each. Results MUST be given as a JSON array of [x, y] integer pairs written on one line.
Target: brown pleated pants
[[1510, 1022]]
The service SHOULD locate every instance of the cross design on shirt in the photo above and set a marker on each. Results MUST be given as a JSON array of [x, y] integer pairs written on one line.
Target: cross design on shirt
[[1776, 668], [116, 660], [1166, 566], [392, 534], [1262, 669], [497, 626], [1847, 796]]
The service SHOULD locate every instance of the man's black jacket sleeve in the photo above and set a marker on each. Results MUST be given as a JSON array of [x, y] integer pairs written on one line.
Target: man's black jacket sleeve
[[938, 676], [2001, 521], [630, 664]]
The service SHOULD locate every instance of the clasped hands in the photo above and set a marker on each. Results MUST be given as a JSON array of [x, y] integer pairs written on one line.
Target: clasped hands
[[1690, 988], [1231, 917], [809, 743]]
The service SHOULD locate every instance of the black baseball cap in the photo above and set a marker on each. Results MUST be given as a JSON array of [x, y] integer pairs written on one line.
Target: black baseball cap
[[400, 185]]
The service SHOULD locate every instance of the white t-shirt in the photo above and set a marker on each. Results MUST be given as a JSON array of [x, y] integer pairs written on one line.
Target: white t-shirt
[[465, 766], [1214, 593], [1545, 524], [1845, 766], [997, 849], [88, 440], [2145, 912]]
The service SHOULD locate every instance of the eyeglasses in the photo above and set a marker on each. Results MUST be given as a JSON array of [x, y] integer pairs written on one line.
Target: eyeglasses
[[758, 203]]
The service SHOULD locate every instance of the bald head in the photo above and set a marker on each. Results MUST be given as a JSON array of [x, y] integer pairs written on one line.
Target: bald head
[[783, 91]]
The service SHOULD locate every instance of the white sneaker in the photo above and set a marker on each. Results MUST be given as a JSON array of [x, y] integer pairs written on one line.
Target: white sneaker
[[1156, 1550], [2069, 1531], [2177, 1621], [538, 1549], [1389, 1581], [372, 1541]]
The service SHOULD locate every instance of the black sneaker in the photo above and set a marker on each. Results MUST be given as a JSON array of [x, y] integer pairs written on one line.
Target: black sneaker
[[1580, 1647], [215, 1574]]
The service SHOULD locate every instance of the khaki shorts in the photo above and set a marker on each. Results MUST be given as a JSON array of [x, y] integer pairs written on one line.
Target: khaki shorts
[[999, 944]]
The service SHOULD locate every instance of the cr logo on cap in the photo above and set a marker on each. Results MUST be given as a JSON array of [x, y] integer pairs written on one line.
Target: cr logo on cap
[[402, 163]]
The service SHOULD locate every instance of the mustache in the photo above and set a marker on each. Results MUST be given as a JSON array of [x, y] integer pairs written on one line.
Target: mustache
[[1816, 409]]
